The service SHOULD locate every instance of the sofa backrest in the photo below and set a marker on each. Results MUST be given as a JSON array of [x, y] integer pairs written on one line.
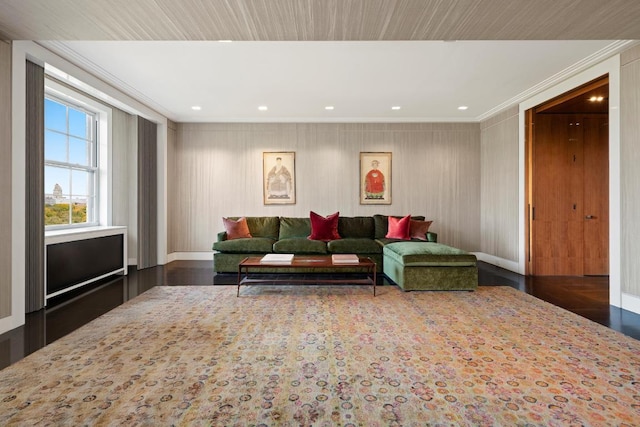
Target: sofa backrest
[[356, 226], [263, 226], [294, 227], [287, 227]]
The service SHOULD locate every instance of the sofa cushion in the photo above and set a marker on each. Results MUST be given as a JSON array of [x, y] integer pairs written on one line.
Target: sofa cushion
[[354, 245], [381, 224], [294, 227], [357, 226], [399, 228], [300, 245], [236, 229], [428, 254], [418, 229], [245, 245], [385, 241], [324, 228], [431, 237]]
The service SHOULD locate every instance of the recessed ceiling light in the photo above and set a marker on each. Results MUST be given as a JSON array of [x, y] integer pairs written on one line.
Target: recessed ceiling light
[[462, 107], [196, 108], [395, 107], [596, 99], [329, 107], [263, 108], [225, 41]]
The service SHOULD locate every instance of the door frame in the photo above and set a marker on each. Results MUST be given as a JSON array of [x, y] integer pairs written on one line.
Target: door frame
[[611, 67]]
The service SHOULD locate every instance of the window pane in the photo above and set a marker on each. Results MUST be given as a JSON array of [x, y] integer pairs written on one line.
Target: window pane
[[81, 185], [57, 214], [79, 152], [56, 201], [78, 213], [55, 115], [55, 146], [78, 123], [57, 182]]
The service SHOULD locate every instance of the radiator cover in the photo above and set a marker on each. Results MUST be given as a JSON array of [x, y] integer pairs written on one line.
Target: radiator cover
[[76, 259]]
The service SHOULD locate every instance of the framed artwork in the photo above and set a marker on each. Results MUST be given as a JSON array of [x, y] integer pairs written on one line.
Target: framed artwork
[[375, 178], [279, 178]]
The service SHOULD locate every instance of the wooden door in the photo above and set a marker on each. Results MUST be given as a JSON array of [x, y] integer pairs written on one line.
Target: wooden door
[[557, 216], [569, 228]]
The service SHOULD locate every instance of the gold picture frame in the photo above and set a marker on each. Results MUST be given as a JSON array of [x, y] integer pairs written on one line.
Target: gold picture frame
[[375, 178], [279, 177]]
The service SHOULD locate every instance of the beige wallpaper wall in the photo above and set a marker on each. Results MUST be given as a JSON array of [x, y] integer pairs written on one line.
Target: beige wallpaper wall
[[629, 171], [499, 185], [215, 170], [132, 163], [120, 141], [172, 135], [5, 178], [124, 141]]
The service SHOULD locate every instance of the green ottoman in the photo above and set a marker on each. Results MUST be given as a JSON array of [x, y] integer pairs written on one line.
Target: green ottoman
[[430, 266]]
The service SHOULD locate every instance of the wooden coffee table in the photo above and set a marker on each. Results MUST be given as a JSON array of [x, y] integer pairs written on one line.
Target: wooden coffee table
[[307, 262]]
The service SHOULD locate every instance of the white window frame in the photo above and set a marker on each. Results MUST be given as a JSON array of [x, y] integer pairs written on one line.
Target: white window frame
[[75, 99]]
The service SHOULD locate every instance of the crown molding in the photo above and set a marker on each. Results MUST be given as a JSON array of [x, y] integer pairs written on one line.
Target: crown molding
[[64, 51], [605, 53], [256, 119]]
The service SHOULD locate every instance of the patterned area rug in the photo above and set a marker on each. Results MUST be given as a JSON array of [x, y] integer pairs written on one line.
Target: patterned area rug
[[329, 356]]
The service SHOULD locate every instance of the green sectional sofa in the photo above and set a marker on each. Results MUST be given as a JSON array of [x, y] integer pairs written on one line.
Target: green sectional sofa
[[360, 235]]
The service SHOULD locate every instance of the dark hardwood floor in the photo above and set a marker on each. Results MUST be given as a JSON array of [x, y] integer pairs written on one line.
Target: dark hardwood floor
[[586, 296]]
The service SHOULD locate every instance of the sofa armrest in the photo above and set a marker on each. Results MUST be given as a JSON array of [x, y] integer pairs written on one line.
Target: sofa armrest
[[222, 236], [432, 237]]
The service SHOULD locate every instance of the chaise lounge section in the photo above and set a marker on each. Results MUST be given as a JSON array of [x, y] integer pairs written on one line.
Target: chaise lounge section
[[430, 266]]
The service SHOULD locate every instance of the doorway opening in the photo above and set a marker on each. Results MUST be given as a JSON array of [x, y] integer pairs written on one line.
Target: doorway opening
[[567, 183]]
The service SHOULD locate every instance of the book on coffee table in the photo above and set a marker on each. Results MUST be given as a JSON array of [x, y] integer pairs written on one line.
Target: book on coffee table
[[277, 259], [345, 259]]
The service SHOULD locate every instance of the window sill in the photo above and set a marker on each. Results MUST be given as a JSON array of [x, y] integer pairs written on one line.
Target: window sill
[[71, 234]]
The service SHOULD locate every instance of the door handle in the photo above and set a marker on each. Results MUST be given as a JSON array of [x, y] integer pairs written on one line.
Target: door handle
[[589, 217]]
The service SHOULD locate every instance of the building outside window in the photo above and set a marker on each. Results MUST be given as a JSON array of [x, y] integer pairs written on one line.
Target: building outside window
[[71, 165]]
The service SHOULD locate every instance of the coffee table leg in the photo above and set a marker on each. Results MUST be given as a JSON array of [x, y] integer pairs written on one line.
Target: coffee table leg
[[239, 276], [374, 280]]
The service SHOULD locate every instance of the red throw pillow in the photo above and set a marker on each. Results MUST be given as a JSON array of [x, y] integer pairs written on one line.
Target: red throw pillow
[[418, 229], [324, 229], [399, 228], [236, 229]]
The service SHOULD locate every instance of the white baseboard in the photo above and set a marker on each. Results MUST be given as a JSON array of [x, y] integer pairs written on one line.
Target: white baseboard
[[190, 256], [631, 303], [8, 323], [499, 262]]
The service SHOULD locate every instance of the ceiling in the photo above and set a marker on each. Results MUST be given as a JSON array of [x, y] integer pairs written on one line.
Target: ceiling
[[298, 56]]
